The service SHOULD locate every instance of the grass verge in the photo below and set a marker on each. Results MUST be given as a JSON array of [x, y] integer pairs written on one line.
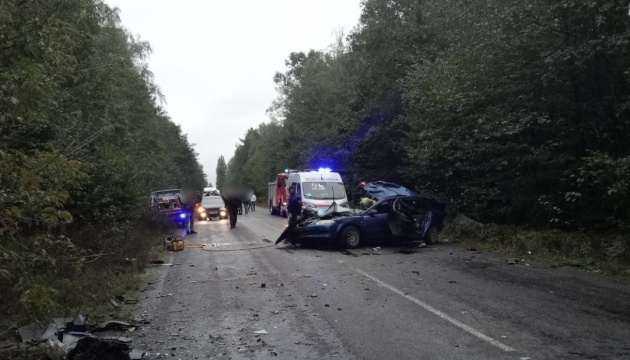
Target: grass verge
[[609, 254]]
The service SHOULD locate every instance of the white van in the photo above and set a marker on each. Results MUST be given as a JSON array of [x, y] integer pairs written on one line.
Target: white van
[[318, 188]]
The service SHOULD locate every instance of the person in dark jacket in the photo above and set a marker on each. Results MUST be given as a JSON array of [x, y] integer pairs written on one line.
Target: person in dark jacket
[[294, 208], [232, 207]]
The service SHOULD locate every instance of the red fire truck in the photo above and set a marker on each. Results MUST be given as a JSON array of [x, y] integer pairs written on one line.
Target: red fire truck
[[278, 195]]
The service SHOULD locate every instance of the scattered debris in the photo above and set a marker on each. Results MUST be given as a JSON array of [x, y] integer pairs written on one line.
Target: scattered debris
[[114, 303], [416, 272], [93, 348], [472, 250], [314, 295], [452, 282], [261, 332], [339, 309], [327, 305], [70, 339], [512, 262], [263, 285], [113, 325], [376, 248], [161, 296]]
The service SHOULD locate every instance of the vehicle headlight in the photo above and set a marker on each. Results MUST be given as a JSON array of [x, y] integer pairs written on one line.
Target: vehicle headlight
[[201, 210], [344, 204], [309, 205], [284, 204]]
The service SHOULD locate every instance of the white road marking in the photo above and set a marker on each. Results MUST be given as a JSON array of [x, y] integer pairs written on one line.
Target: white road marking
[[437, 312]]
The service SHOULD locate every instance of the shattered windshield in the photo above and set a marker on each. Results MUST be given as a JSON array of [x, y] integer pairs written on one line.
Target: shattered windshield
[[323, 190], [335, 209]]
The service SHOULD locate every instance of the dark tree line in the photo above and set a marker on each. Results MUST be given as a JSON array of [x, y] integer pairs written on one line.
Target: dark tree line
[[83, 140], [513, 112]]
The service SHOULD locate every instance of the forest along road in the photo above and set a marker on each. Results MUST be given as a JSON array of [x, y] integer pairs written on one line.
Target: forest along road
[[442, 302]]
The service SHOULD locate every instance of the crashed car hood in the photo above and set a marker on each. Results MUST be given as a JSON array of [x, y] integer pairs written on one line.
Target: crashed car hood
[[381, 190]]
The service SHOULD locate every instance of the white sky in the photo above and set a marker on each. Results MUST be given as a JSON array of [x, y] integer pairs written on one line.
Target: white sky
[[215, 59]]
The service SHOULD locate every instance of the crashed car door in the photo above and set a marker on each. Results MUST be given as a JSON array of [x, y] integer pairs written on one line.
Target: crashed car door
[[375, 221], [408, 218]]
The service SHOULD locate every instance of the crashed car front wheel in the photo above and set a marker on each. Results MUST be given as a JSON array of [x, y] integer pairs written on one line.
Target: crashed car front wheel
[[350, 237]]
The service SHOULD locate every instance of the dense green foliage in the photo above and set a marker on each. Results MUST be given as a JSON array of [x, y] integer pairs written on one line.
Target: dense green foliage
[[513, 112], [83, 141]]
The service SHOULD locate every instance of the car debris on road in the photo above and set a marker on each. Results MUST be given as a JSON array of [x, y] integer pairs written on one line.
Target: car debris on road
[[74, 338]]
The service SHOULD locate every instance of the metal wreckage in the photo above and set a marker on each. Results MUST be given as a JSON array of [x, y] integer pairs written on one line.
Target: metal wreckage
[[395, 214]]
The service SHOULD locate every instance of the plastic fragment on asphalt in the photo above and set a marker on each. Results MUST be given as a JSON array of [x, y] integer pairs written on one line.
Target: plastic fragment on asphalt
[[314, 295], [261, 332], [114, 303]]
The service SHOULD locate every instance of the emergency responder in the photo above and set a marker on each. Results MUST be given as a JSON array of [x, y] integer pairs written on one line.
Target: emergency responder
[[366, 199]]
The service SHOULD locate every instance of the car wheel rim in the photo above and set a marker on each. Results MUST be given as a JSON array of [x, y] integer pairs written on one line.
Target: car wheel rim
[[352, 237]]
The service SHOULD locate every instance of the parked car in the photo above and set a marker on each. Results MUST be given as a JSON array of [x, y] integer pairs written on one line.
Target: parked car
[[167, 202], [213, 207], [397, 214]]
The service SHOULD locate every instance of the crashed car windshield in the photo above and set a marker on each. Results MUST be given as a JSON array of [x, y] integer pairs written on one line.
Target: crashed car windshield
[[335, 209]]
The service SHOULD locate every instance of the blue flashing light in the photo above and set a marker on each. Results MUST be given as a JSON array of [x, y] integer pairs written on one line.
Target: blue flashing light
[[183, 216]]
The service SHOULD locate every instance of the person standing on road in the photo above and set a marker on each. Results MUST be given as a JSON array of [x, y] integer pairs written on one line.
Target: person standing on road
[[252, 203], [232, 206], [188, 200], [294, 208]]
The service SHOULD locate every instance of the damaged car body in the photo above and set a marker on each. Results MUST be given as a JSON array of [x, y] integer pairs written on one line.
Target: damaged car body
[[397, 214]]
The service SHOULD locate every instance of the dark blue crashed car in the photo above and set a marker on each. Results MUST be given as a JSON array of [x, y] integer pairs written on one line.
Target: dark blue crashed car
[[397, 214]]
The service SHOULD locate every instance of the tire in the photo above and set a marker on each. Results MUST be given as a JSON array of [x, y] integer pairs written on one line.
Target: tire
[[350, 237], [431, 236]]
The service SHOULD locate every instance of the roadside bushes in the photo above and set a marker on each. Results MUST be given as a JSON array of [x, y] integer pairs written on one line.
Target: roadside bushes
[[83, 141]]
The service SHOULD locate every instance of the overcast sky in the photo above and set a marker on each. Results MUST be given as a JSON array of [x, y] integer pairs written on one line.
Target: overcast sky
[[215, 59]]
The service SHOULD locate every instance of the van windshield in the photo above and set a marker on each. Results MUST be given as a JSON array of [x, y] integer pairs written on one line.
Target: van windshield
[[323, 190]]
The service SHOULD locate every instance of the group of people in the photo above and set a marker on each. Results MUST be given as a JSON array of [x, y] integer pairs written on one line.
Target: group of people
[[190, 199]]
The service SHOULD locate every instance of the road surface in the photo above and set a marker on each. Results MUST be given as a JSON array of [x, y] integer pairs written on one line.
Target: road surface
[[442, 302]]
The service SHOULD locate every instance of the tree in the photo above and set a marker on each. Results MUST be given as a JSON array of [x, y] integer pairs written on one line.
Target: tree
[[513, 112], [83, 142], [222, 170]]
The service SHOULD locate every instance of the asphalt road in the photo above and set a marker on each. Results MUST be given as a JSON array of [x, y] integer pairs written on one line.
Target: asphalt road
[[442, 302]]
